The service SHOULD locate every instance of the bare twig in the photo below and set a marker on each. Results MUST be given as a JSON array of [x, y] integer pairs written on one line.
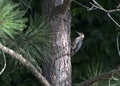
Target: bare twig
[[113, 10], [118, 43], [3, 69], [112, 78], [80, 4], [96, 5], [113, 20], [25, 63]]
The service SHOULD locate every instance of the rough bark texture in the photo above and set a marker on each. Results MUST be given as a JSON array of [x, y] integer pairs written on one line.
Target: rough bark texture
[[58, 72]]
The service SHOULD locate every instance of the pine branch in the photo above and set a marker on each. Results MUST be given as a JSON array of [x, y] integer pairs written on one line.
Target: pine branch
[[102, 76], [25, 63], [4, 67]]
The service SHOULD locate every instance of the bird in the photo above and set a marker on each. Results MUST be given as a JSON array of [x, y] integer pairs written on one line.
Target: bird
[[77, 43]]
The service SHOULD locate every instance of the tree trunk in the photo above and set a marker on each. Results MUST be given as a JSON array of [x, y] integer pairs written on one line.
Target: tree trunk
[[58, 72]]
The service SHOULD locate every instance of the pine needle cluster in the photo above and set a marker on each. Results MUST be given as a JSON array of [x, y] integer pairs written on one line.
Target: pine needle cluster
[[11, 18], [34, 43]]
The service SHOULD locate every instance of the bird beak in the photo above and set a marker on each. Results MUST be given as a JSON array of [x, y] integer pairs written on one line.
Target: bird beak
[[78, 33]]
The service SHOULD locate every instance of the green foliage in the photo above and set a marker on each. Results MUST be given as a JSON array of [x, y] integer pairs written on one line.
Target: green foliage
[[16, 76], [11, 18], [93, 69], [33, 42]]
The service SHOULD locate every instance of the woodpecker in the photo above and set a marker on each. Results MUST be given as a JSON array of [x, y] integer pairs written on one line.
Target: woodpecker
[[77, 43]]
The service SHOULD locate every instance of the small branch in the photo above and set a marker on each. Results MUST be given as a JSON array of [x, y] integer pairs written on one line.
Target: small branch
[[113, 10], [102, 76], [118, 5], [32, 60], [80, 4], [96, 5], [4, 63], [113, 20], [25, 63], [118, 43]]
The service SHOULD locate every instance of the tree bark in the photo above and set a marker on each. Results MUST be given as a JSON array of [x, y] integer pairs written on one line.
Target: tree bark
[[58, 71]]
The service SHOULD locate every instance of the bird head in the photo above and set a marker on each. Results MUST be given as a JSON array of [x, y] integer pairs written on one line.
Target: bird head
[[81, 35]]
